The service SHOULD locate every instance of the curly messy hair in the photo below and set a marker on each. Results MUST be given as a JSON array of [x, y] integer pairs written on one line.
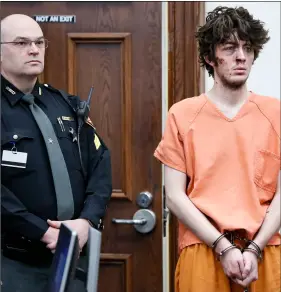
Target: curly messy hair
[[221, 24]]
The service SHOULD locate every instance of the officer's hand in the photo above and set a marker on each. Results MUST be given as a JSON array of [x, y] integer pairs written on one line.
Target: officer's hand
[[51, 238], [81, 226], [250, 273]]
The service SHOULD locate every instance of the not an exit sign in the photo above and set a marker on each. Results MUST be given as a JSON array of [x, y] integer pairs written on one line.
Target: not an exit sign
[[55, 18]]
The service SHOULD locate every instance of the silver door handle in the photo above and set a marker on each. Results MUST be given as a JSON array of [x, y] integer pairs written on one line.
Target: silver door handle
[[144, 220], [129, 221]]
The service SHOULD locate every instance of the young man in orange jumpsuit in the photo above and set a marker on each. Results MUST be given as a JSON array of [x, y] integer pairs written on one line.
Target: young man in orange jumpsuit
[[221, 152]]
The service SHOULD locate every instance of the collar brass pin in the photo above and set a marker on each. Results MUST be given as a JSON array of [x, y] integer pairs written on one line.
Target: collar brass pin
[[10, 90]]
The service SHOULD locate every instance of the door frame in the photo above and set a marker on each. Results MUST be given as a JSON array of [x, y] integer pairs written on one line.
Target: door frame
[[185, 79]]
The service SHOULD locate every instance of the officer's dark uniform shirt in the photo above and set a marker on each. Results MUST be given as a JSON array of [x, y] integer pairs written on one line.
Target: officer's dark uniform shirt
[[28, 196]]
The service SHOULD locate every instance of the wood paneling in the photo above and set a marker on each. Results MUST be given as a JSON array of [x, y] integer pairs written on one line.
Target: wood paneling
[[116, 273], [186, 79], [104, 59]]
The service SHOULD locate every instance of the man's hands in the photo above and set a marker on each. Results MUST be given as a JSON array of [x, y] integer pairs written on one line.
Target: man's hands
[[51, 238], [81, 226], [250, 272], [241, 268], [232, 261], [233, 264]]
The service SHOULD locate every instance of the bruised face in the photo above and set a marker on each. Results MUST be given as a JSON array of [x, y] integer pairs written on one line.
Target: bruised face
[[234, 60]]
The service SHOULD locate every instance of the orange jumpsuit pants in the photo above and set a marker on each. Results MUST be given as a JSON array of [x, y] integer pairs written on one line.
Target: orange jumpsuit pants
[[198, 270]]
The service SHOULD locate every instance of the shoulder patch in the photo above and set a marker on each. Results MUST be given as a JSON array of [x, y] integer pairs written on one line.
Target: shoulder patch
[[97, 142]]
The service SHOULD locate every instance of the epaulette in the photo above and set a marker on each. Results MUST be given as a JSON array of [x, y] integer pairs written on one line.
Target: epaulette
[[72, 99], [53, 89], [48, 86]]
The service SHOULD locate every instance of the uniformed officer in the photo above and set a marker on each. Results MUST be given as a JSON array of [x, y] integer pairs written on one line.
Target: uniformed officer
[[45, 141]]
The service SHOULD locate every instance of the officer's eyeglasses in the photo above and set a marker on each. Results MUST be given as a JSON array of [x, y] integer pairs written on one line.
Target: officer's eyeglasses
[[26, 43]]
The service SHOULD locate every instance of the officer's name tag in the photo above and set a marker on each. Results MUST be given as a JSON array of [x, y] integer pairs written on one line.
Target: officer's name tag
[[14, 159]]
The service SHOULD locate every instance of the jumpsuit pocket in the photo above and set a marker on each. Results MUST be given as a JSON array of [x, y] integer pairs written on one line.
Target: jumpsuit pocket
[[267, 168]]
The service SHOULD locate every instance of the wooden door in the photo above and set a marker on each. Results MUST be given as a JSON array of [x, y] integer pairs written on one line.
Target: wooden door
[[115, 46], [186, 79]]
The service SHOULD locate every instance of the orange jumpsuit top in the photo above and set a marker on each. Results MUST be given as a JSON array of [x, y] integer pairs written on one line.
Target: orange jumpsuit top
[[233, 164]]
